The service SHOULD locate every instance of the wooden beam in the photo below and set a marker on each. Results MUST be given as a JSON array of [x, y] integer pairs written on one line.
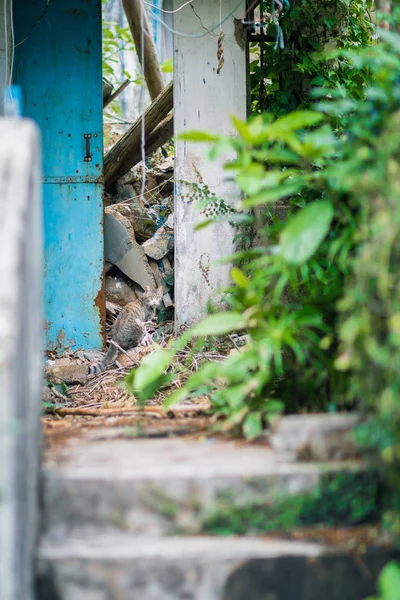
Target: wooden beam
[[121, 157], [159, 136], [152, 71]]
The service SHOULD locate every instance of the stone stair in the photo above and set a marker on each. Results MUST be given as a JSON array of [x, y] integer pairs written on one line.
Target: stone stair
[[125, 519]]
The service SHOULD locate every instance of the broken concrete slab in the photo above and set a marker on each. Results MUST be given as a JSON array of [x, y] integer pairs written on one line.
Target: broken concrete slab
[[160, 244], [315, 437], [118, 291], [143, 222], [123, 251]]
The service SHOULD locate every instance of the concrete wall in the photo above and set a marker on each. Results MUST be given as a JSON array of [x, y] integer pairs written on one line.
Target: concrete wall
[[203, 101], [20, 353]]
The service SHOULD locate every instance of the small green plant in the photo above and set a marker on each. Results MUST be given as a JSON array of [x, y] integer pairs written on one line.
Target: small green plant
[[340, 500]]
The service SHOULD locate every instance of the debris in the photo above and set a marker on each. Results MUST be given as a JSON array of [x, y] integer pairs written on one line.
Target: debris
[[170, 221], [90, 355], [167, 166], [69, 373], [156, 272], [112, 309], [168, 270], [123, 251], [159, 245], [118, 291], [167, 300], [143, 221], [47, 396]]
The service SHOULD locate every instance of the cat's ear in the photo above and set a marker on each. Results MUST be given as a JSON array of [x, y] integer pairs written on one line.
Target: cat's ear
[[147, 289]]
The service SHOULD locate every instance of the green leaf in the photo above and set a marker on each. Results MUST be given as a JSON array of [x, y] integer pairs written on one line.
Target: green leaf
[[389, 581], [204, 224], [219, 324], [199, 136], [242, 128], [299, 120], [239, 277], [252, 426], [152, 366], [305, 231], [268, 196]]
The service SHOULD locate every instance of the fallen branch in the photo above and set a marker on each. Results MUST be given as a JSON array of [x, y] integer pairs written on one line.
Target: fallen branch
[[152, 71], [159, 410], [118, 160], [116, 93]]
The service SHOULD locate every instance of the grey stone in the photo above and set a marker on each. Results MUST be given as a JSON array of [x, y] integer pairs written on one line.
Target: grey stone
[[118, 291], [143, 224], [69, 374], [159, 245], [315, 437], [123, 251]]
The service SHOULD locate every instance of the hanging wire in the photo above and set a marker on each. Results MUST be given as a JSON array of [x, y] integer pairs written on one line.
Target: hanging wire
[[167, 12], [142, 99], [195, 35]]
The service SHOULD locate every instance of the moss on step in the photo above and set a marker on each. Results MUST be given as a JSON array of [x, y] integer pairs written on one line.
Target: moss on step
[[341, 499]]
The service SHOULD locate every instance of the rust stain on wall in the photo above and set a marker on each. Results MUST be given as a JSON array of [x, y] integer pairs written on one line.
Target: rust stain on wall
[[100, 303]]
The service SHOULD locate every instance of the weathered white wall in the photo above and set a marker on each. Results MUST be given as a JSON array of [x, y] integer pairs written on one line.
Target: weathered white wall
[[203, 101], [20, 353]]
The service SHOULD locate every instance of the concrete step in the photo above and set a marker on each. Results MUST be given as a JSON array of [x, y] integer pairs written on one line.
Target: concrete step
[[164, 486], [123, 567]]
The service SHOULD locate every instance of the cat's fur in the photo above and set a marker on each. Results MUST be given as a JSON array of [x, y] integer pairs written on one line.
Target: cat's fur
[[130, 326]]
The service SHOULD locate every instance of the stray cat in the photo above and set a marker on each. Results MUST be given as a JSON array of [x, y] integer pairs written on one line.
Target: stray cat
[[129, 328]]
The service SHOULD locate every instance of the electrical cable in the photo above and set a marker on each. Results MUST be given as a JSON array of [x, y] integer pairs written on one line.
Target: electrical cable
[[196, 35], [167, 12], [142, 98], [10, 76], [6, 40]]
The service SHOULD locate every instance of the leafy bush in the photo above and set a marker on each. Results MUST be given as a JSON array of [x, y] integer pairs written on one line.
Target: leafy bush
[[285, 294]]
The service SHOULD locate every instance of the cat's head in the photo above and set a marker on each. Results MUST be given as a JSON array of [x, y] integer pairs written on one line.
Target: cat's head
[[153, 298]]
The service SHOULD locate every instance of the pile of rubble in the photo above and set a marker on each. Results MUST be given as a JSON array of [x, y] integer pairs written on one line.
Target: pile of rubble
[[139, 238]]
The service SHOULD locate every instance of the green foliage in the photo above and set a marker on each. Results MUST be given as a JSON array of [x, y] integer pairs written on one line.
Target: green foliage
[[285, 334], [389, 582], [340, 500], [281, 77], [115, 39]]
